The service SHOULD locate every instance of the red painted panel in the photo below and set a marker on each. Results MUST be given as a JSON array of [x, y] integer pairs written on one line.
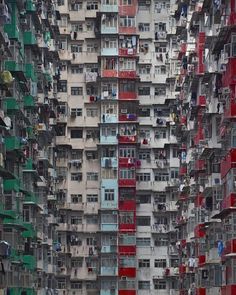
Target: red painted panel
[[127, 227], [182, 269], [200, 165], [127, 139], [201, 101], [182, 170], [232, 19], [127, 95], [200, 291], [201, 260], [127, 30], [127, 74], [128, 117], [229, 77], [228, 290], [230, 247], [127, 182], [109, 73], [228, 162], [127, 205], [127, 272], [127, 250], [199, 200], [127, 292], [228, 201], [199, 231], [127, 162], [127, 52]]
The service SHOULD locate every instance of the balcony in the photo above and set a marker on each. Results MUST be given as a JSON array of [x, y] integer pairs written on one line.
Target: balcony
[[11, 105], [127, 227], [127, 74], [109, 118], [228, 202], [109, 52], [30, 199], [127, 272], [15, 223], [108, 139], [11, 185], [127, 52], [13, 143], [128, 10], [228, 162], [199, 231], [29, 102], [127, 182], [109, 227], [29, 231], [200, 291], [29, 38], [109, 74], [127, 249], [109, 30], [127, 162], [29, 262], [127, 205], [127, 117], [109, 7], [109, 271], [228, 290], [12, 31], [230, 110], [127, 95], [109, 249], [183, 170], [7, 213], [108, 292], [201, 260], [125, 139], [30, 72], [13, 66], [201, 101], [30, 6], [127, 30], [109, 162]]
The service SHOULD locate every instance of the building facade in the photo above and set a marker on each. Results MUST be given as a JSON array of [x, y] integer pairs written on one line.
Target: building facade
[[117, 150], [28, 70]]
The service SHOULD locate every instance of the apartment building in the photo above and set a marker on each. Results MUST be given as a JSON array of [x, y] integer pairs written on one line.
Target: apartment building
[[205, 132], [117, 154], [28, 70]]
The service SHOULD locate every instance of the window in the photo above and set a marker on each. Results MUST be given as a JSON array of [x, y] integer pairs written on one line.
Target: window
[[92, 219], [144, 263], [143, 242], [160, 198], [109, 131], [174, 173], [61, 283], [144, 69], [127, 64], [76, 90], [92, 134], [127, 21], [92, 176], [76, 48], [76, 133], [143, 176], [92, 198], [76, 220], [92, 5], [61, 2], [92, 47], [161, 176], [76, 285], [91, 241], [77, 69], [91, 285], [76, 176], [127, 174], [144, 155], [63, 44], [92, 112], [160, 27], [160, 70], [76, 6], [127, 152], [126, 2], [76, 154], [159, 285], [160, 90], [126, 217], [144, 199], [75, 199], [143, 220], [92, 68], [175, 152], [63, 22], [144, 90], [144, 285], [77, 27], [77, 262], [162, 241], [160, 48], [89, 26], [109, 194], [62, 86], [109, 173], [77, 112], [160, 263], [144, 27]]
